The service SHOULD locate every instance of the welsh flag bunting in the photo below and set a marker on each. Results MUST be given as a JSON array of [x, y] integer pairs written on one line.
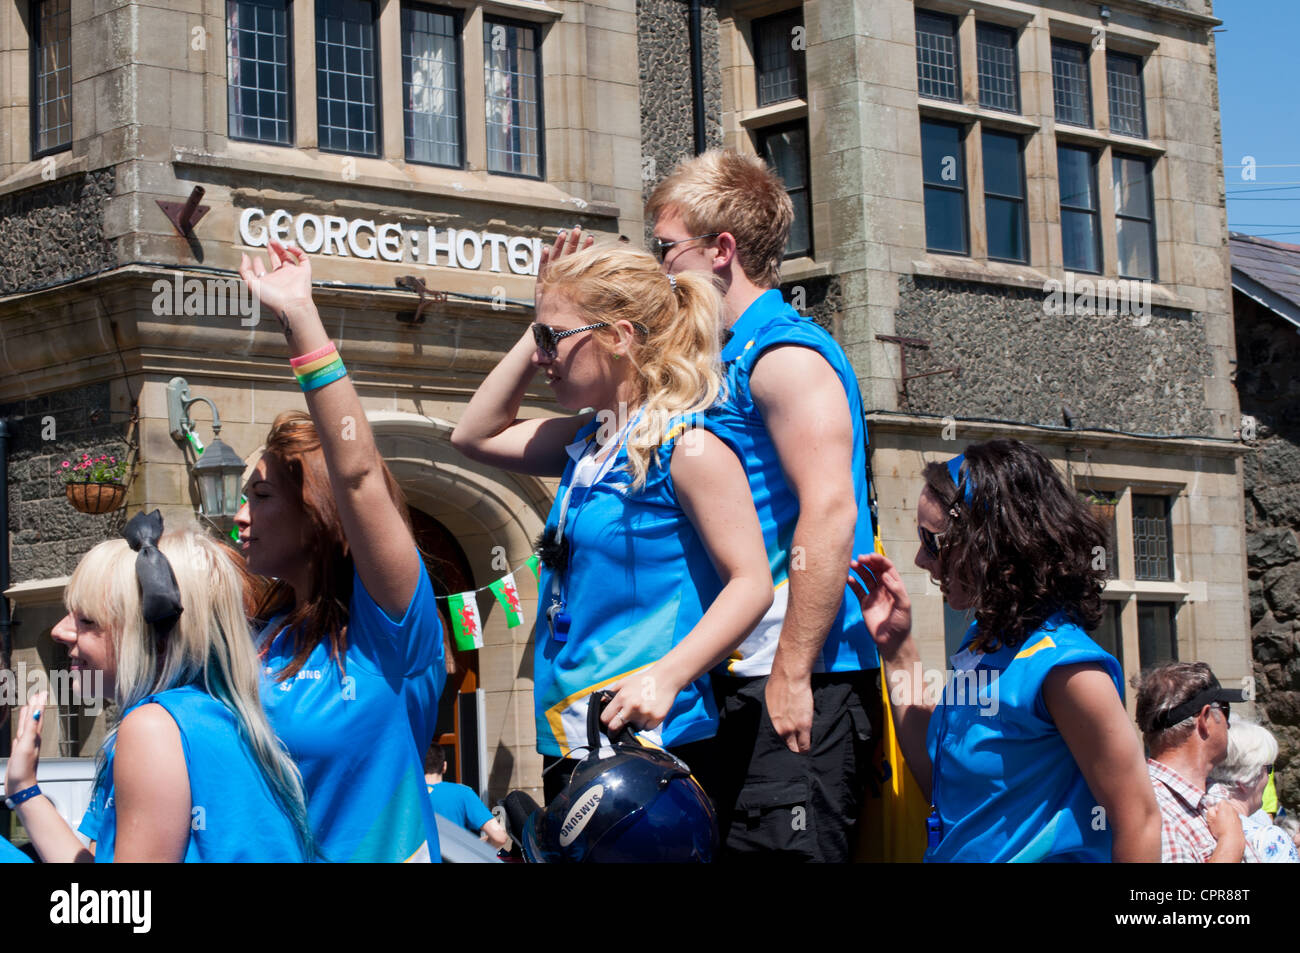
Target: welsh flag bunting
[[465, 624], [508, 596], [534, 561]]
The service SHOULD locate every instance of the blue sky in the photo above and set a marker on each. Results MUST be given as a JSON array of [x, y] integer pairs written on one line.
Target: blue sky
[[1260, 105]]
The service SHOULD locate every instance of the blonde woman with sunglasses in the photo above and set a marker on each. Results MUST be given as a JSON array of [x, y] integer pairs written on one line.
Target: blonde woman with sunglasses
[[654, 566]]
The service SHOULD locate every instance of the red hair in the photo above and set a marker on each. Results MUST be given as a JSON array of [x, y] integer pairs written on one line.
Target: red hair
[[321, 614]]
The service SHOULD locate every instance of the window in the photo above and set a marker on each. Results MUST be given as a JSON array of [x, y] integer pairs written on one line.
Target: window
[[1109, 632], [1070, 85], [779, 67], [346, 115], [1080, 225], [937, 73], [1157, 634], [512, 81], [1135, 227], [999, 70], [259, 91], [786, 150], [51, 94], [1151, 542], [1124, 91], [431, 89], [1004, 196], [943, 167]]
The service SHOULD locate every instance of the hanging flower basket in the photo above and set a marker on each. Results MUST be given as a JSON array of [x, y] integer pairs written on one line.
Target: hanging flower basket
[[1103, 507], [96, 498], [96, 485]]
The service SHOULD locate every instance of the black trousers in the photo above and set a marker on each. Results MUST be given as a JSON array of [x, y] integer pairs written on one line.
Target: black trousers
[[774, 805]]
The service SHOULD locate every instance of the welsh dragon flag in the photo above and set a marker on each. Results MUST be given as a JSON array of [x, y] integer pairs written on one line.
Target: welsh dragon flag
[[506, 593], [465, 624]]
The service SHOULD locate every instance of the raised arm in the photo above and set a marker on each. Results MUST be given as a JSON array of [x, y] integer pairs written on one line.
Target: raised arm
[[1088, 712], [382, 547], [887, 611], [490, 430], [714, 494], [807, 414]]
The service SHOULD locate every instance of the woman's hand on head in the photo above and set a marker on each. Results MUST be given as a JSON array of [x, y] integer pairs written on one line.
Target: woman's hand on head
[[286, 285], [26, 752], [567, 242], [886, 606]]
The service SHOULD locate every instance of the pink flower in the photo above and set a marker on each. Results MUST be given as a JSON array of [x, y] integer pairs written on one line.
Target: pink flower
[[65, 464]]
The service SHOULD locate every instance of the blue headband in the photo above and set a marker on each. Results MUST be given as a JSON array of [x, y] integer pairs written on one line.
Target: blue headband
[[954, 471]]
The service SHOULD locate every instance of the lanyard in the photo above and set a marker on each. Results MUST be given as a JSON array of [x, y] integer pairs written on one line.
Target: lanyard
[[556, 616], [933, 823]]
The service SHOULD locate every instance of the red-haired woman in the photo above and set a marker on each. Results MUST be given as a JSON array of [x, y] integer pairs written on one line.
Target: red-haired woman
[[352, 646]]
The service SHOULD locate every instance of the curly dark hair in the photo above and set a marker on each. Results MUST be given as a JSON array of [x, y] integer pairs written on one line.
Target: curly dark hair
[[1025, 546]]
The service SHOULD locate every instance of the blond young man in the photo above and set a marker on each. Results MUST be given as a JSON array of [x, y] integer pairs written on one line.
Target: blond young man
[[791, 759]]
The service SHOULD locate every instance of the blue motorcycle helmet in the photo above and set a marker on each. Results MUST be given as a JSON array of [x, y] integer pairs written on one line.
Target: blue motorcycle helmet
[[638, 805]]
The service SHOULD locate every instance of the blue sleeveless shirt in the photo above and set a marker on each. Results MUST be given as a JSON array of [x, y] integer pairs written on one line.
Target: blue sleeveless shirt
[[639, 580], [1007, 787], [359, 736], [235, 818], [767, 323]]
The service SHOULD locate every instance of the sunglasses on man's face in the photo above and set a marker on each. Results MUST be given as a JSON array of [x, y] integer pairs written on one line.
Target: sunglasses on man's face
[[548, 339], [659, 247]]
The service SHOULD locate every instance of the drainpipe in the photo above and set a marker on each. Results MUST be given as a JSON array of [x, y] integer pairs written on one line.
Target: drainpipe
[[6, 621], [697, 77]]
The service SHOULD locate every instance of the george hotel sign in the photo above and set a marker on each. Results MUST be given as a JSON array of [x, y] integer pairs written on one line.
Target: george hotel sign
[[390, 241]]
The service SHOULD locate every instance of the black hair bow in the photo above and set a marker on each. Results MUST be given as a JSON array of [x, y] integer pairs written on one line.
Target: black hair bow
[[160, 597]]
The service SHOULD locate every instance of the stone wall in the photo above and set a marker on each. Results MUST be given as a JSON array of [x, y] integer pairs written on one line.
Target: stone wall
[[1137, 373], [47, 536], [667, 115], [1268, 385], [55, 233], [820, 298]]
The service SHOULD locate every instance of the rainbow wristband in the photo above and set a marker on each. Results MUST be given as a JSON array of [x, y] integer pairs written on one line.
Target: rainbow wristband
[[297, 362], [326, 375], [322, 366]]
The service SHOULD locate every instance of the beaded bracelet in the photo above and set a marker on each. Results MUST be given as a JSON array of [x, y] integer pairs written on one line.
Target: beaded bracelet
[[322, 366]]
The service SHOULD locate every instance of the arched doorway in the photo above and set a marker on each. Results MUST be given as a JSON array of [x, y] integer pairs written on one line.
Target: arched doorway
[[459, 719]]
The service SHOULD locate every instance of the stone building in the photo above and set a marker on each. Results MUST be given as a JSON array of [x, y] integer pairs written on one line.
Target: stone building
[[1011, 214], [1266, 309], [954, 170]]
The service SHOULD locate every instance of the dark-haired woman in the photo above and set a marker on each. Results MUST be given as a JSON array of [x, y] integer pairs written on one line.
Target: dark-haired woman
[[1028, 754], [352, 649]]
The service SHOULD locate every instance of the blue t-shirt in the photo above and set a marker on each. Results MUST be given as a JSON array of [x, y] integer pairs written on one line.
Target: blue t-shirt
[[9, 854], [359, 738], [235, 817], [767, 323], [639, 580], [459, 804], [1007, 787]]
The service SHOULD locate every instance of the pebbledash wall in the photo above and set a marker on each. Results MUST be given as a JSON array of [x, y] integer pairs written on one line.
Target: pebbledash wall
[[1150, 397], [1269, 384]]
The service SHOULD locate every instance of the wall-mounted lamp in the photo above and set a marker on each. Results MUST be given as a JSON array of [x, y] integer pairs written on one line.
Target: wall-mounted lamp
[[218, 469]]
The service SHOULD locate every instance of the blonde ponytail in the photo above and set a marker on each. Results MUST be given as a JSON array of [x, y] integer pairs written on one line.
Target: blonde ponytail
[[676, 359]]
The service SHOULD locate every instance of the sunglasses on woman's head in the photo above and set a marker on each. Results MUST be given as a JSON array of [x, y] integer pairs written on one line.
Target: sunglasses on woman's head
[[548, 339]]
